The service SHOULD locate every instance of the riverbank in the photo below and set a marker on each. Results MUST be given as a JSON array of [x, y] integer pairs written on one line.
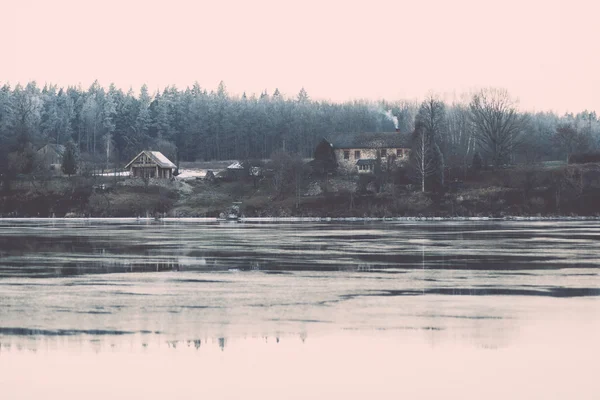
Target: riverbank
[[530, 191]]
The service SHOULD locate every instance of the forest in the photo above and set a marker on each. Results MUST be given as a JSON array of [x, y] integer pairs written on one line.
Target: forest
[[478, 154], [109, 126]]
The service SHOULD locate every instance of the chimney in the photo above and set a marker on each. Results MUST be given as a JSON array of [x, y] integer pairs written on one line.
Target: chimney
[[397, 130]]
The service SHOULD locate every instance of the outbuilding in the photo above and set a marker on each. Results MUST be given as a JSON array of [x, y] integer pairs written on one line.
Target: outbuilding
[[51, 155]]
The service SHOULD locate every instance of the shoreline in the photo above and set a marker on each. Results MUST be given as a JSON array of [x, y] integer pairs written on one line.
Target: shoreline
[[306, 219]]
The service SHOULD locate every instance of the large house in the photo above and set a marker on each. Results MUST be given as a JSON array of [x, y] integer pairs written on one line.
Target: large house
[[359, 152], [151, 164]]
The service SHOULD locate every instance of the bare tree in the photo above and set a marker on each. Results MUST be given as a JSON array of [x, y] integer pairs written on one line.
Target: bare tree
[[425, 156], [571, 140], [429, 135], [460, 141], [497, 123], [432, 117]]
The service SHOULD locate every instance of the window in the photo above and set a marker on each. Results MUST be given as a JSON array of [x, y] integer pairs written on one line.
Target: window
[[383, 153], [346, 154], [398, 152], [357, 154]]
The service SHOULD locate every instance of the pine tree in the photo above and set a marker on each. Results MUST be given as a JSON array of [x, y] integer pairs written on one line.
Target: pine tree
[[49, 114], [143, 121], [69, 160], [302, 96], [127, 142], [108, 122], [277, 95]]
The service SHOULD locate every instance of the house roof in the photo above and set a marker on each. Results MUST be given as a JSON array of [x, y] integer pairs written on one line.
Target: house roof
[[156, 156], [236, 165], [57, 148], [164, 162], [369, 140]]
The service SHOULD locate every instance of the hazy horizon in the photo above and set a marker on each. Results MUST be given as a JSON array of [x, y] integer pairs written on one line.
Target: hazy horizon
[[544, 53]]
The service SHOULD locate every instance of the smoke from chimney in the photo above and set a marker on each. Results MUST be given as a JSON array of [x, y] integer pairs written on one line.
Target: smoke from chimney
[[392, 118]]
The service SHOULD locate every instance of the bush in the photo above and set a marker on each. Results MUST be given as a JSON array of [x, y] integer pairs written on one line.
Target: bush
[[412, 204], [288, 173], [584, 158]]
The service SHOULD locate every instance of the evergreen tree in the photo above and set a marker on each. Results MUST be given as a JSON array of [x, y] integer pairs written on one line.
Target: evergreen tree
[[143, 121], [49, 115], [64, 110], [195, 124], [302, 96], [109, 114], [91, 118], [126, 139], [69, 160]]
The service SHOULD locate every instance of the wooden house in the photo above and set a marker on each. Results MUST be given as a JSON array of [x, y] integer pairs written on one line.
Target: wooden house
[[151, 164], [51, 155], [357, 152]]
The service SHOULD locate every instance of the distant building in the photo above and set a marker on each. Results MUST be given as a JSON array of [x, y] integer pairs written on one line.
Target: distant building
[[234, 171], [358, 152], [151, 164], [51, 155]]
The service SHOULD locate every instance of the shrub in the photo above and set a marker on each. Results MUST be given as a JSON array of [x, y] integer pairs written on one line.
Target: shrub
[[584, 158], [412, 204]]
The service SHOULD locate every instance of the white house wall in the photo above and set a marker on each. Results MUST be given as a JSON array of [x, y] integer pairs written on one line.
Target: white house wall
[[349, 165]]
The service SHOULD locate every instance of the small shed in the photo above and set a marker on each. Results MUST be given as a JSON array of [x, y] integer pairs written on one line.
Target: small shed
[[151, 164], [236, 171]]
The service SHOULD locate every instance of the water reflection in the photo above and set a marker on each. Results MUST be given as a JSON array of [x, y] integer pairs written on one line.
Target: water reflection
[[391, 310], [15, 341], [68, 248]]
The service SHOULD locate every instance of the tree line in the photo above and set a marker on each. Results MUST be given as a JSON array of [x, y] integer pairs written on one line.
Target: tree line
[[488, 129], [109, 126]]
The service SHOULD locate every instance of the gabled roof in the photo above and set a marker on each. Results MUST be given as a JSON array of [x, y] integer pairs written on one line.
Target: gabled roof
[[369, 140], [236, 165], [156, 156], [57, 148], [164, 161]]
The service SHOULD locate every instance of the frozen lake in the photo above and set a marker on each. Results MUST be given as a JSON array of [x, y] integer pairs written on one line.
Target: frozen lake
[[147, 309]]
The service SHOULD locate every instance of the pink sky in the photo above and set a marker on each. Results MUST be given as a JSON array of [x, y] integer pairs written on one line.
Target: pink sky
[[546, 53]]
